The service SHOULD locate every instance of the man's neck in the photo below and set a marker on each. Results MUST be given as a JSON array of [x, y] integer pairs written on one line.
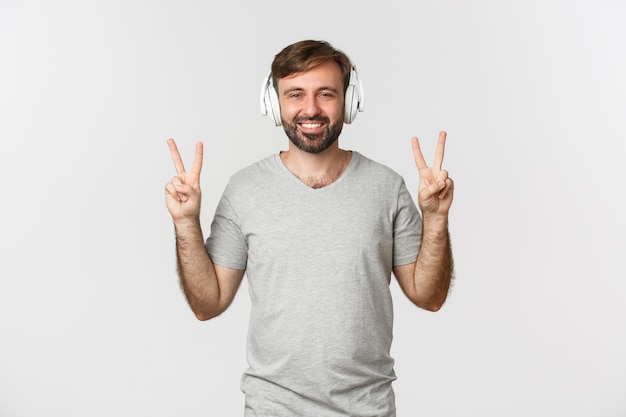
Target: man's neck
[[316, 170]]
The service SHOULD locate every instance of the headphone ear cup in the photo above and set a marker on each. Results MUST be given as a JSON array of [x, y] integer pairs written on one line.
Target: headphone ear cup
[[351, 104], [274, 112], [269, 101]]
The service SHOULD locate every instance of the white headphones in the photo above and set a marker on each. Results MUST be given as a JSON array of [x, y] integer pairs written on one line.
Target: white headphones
[[353, 99]]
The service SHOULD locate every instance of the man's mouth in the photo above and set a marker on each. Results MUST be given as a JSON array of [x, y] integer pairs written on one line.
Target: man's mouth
[[310, 125]]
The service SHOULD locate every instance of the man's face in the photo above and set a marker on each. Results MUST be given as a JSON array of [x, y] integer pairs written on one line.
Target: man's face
[[311, 107]]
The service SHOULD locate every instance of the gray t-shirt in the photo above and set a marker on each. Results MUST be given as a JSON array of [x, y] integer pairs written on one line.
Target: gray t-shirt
[[318, 263]]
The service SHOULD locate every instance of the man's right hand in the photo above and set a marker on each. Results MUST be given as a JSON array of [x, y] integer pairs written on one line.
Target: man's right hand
[[182, 193]]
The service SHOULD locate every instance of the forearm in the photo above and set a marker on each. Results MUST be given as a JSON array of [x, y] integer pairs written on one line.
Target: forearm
[[434, 267], [196, 271]]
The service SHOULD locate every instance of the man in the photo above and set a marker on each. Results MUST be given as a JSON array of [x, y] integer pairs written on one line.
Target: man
[[318, 231]]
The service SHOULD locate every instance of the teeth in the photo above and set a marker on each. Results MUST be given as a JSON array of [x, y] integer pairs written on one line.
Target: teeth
[[311, 125]]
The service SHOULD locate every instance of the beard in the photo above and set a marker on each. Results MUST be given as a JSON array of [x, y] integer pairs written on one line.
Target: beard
[[313, 143]]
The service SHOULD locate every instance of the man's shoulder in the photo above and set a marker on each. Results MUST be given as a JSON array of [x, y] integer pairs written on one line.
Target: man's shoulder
[[256, 170], [375, 169], [254, 176]]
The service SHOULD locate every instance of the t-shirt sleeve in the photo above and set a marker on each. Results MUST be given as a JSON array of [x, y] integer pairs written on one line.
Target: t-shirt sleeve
[[407, 236], [226, 244]]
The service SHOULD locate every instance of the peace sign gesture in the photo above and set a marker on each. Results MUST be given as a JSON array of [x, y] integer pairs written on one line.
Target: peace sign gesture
[[435, 187], [182, 193]]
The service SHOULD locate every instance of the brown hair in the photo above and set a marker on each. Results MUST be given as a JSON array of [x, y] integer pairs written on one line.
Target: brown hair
[[305, 55]]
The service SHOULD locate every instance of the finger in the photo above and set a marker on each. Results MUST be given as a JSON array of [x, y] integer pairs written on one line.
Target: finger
[[197, 159], [177, 181], [179, 190], [448, 189], [441, 145], [417, 154], [178, 161], [433, 189], [441, 178], [171, 190]]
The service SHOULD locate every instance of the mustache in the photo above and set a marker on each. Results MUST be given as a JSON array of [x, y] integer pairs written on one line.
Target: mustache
[[305, 119]]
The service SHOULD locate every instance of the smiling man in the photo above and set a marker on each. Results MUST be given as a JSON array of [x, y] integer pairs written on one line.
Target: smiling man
[[308, 105], [312, 113], [318, 231]]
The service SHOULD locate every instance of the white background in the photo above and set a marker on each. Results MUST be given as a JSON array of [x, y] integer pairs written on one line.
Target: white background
[[532, 94]]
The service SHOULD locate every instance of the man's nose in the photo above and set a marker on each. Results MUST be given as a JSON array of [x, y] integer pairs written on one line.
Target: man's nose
[[311, 106]]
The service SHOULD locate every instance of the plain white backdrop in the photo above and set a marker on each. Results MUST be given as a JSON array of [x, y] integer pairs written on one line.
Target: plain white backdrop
[[532, 94]]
